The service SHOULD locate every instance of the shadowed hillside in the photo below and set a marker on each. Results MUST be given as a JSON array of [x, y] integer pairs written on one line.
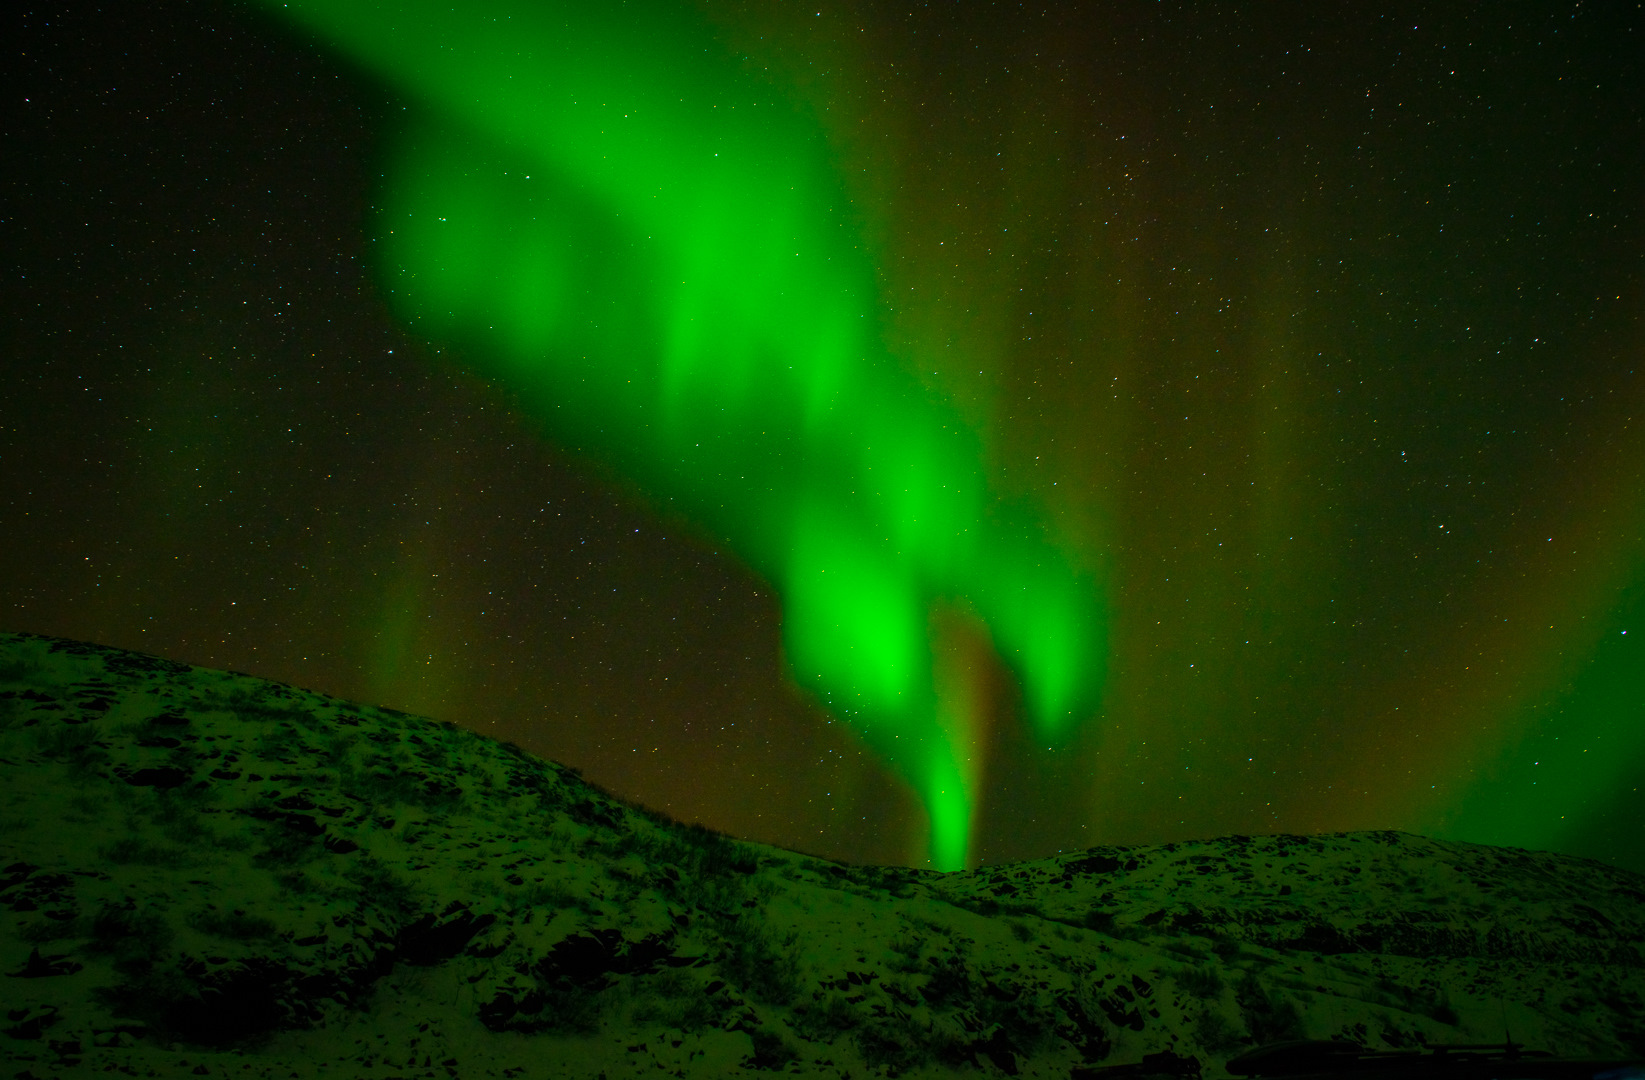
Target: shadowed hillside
[[204, 873]]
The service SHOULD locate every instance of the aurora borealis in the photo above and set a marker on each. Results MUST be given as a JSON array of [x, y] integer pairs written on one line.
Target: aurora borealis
[[1311, 344], [653, 254]]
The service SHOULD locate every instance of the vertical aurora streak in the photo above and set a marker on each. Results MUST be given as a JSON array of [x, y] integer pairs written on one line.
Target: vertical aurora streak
[[653, 247]]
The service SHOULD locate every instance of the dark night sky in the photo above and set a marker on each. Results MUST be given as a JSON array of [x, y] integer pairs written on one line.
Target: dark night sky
[[1316, 330]]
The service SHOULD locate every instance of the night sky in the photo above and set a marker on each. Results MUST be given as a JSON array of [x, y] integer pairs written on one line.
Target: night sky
[[1311, 335]]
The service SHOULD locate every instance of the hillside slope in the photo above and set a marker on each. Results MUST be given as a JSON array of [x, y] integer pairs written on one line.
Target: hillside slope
[[204, 873]]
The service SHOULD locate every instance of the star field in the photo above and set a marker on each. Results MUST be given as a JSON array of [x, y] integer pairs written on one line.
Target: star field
[[1315, 339]]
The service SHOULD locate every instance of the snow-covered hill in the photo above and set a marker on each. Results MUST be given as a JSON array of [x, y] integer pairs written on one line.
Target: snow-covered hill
[[204, 873]]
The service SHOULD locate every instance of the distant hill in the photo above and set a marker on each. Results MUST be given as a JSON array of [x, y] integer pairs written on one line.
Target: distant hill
[[210, 874]]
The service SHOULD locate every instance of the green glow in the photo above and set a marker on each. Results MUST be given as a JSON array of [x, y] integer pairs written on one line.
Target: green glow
[[654, 247], [1580, 748]]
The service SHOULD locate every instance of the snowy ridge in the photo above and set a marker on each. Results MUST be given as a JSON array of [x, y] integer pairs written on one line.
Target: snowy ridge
[[204, 873]]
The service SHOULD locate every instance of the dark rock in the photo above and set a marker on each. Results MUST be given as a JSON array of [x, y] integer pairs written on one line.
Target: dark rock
[[162, 777], [40, 967], [589, 960], [242, 1005], [430, 941], [999, 1050], [299, 823], [1094, 864], [1323, 938], [31, 1023], [496, 1013]]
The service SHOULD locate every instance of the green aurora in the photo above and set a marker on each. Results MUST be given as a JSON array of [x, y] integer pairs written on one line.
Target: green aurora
[[1292, 363], [656, 248]]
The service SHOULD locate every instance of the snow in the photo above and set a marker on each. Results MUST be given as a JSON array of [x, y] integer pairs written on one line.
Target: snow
[[204, 873]]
